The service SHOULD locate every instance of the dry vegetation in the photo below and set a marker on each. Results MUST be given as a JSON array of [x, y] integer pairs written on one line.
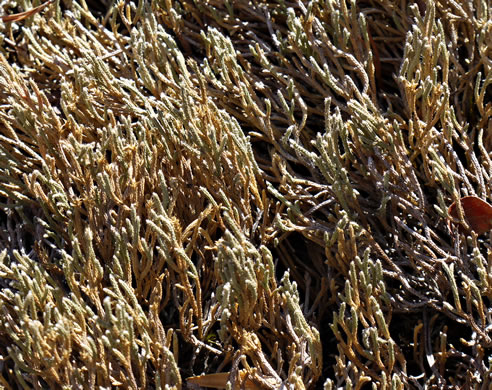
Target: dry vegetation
[[258, 188]]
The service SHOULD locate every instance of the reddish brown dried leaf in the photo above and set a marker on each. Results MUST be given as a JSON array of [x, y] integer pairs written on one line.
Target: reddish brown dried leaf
[[477, 213], [22, 15], [219, 381]]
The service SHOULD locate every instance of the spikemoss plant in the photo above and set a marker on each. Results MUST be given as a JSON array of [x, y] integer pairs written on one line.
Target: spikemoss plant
[[258, 188]]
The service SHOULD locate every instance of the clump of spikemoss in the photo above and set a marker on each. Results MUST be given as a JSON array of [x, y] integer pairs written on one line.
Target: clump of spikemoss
[[259, 189]]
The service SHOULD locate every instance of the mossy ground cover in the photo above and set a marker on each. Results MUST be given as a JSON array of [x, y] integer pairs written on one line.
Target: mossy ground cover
[[255, 188]]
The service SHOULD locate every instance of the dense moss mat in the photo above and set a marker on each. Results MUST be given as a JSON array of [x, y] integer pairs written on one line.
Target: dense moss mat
[[255, 188]]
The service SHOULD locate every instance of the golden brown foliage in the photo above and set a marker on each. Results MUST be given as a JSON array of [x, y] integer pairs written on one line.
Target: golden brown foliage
[[259, 188]]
